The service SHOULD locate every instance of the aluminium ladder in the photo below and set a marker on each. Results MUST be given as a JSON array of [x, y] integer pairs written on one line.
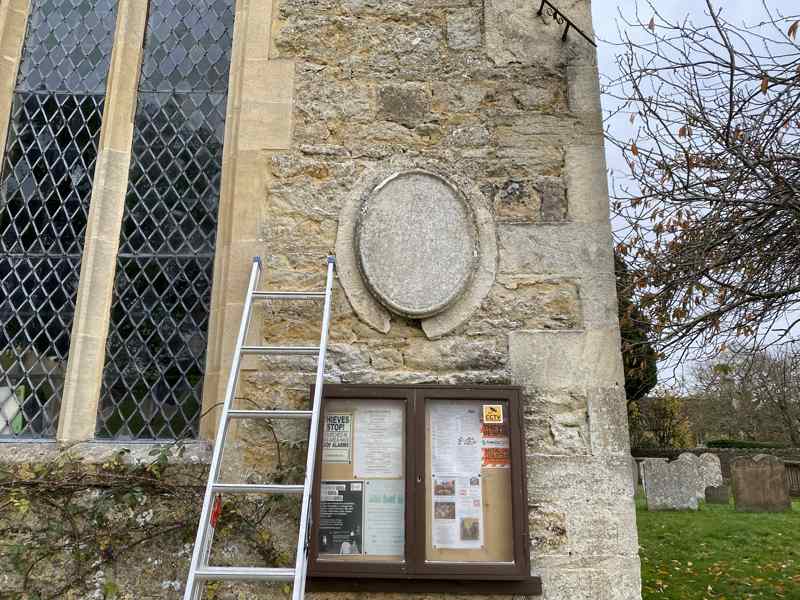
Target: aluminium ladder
[[199, 570]]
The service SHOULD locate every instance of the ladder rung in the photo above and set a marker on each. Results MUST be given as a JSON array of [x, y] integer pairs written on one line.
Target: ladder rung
[[288, 295], [244, 574], [269, 414], [305, 350], [255, 488]]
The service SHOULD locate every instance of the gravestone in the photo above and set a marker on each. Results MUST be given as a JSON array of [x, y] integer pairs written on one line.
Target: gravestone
[[635, 475], [710, 469], [697, 482], [759, 484], [670, 485], [718, 494]]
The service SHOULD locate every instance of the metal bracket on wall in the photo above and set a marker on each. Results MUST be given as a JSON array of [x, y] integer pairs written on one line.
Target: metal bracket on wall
[[561, 19]]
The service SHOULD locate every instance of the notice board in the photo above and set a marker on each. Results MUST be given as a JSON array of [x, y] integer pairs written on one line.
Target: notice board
[[362, 481]]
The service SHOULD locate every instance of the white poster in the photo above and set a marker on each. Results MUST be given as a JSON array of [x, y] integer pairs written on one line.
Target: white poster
[[457, 513], [337, 438], [379, 442], [455, 439], [384, 517]]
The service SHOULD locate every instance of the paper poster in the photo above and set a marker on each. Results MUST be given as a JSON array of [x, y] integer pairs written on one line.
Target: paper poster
[[384, 517], [379, 442], [341, 514], [457, 512], [455, 439], [495, 446], [492, 413], [337, 439]]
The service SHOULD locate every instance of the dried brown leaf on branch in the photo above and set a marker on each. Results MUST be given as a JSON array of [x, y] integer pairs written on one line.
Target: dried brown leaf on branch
[[710, 217]]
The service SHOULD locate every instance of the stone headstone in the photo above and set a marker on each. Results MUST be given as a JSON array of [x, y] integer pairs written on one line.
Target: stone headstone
[[670, 485], [635, 475], [759, 484], [718, 494], [710, 470], [698, 482]]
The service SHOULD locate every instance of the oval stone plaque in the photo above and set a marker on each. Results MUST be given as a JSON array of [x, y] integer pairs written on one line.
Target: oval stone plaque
[[416, 243]]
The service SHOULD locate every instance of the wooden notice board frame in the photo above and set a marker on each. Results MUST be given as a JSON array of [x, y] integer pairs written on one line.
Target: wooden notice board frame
[[416, 571]]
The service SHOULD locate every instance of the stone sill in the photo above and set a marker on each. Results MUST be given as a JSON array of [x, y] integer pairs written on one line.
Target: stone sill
[[196, 452]]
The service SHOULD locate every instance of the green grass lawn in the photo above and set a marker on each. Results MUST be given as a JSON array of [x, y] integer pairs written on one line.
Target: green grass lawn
[[719, 554]]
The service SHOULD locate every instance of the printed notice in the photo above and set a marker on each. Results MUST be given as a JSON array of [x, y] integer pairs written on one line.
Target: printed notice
[[341, 514], [379, 442], [457, 513], [495, 447], [337, 439], [384, 517], [455, 439]]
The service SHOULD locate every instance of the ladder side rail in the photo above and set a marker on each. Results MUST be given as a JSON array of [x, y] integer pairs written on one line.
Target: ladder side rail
[[301, 564], [202, 541]]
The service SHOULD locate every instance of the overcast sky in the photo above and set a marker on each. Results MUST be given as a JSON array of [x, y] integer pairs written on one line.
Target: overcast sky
[[606, 15]]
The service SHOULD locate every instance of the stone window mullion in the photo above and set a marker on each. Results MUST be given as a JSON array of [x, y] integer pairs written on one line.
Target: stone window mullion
[[90, 326]]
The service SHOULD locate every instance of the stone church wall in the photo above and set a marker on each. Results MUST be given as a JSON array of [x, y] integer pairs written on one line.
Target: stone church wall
[[326, 93]]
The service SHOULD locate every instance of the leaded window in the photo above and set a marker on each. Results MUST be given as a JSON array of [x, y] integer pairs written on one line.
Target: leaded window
[[45, 188], [155, 355]]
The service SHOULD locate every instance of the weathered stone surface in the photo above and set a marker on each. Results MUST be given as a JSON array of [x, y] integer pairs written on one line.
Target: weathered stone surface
[[552, 360], [417, 243], [408, 104], [670, 485], [553, 195], [555, 249], [462, 305], [463, 28], [379, 87], [718, 494], [710, 470], [759, 484], [698, 482]]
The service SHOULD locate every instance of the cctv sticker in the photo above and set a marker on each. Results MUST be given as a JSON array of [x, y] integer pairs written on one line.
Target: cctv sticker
[[492, 413]]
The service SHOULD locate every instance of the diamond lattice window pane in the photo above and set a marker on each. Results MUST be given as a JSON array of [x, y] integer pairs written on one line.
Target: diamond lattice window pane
[[188, 46], [45, 187], [155, 357], [68, 46]]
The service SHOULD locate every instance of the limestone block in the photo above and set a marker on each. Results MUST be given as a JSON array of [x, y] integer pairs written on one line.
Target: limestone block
[[553, 198], [608, 421], [515, 201], [579, 480], [526, 133], [408, 104], [469, 136], [265, 121], [568, 249], [514, 34], [320, 96], [558, 529], [552, 360], [760, 484], [453, 353], [671, 485], [598, 298], [587, 183], [463, 29], [528, 303], [556, 423]]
